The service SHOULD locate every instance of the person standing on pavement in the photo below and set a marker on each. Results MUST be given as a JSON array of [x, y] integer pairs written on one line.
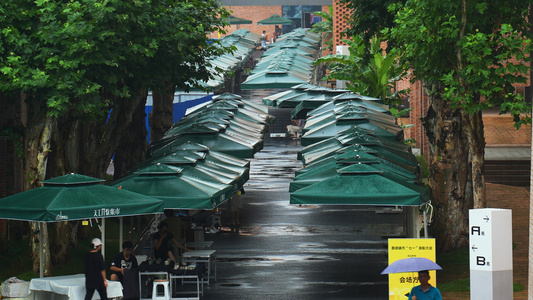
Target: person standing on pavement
[[95, 277], [263, 41], [424, 291]]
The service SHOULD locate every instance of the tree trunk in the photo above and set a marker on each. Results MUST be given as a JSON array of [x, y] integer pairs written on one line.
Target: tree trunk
[[38, 138], [3, 236], [450, 172], [133, 144], [70, 144], [473, 126], [65, 238], [161, 118]]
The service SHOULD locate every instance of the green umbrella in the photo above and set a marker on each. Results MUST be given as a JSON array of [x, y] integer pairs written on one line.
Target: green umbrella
[[236, 20], [361, 189], [275, 20], [75, 197], [203, 165], [332, 169], [177, 190]]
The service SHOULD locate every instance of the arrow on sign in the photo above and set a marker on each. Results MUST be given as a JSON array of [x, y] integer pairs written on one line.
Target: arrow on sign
[[474, 248], [486, 218]]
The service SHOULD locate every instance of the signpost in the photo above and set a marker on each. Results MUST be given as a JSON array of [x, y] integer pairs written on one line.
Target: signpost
[[491, 254]]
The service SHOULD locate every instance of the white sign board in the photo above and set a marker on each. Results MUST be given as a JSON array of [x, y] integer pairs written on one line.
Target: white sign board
[[491, 254]]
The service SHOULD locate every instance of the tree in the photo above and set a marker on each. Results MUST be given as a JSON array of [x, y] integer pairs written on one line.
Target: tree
[[368, 70], [468, 55], [369, 17], [325, 27], [83, 68]]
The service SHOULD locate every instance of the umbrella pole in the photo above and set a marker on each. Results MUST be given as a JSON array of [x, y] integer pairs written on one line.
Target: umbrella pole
[[102, 231], [426, 223], [121, 231], [41, 263]]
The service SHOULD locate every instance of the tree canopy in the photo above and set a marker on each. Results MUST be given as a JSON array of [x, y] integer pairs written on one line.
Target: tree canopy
[[468, 56], [85, 53], [83, 68]]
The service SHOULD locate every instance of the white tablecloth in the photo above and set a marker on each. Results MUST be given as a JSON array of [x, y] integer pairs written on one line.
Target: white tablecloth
[[72, 286]]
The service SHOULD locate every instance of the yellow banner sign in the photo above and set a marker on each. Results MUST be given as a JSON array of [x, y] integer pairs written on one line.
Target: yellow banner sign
[[400, 284]]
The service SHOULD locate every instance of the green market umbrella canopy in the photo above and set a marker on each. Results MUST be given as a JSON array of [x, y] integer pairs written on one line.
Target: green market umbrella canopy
[[285, 64], [316, 95], [334, 168], [282, 70], [233, 20], [275, 20], [244, 42], [208, 165], [176, 189], [361, 189], [222, 142], [398, 157], [75, 197]]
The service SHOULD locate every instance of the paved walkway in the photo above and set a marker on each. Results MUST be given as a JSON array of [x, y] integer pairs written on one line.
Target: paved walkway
[[283, 251], [286, 252]]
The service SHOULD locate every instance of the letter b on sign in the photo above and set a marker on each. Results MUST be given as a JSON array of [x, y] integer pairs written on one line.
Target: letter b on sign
[[480, 260]]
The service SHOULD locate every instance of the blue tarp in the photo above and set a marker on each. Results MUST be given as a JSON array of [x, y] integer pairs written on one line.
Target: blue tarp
[[180, 106]]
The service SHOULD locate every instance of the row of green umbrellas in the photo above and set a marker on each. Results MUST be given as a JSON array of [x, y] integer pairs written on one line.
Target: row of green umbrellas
[[343, 171], [187, 176], [244, 42], [201, 177], [288, 62], [229, 124], [354, 153], [349, 114], [200, 162], [274, 19], [306, 97]]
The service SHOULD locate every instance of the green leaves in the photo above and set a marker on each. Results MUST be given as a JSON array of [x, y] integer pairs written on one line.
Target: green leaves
[[368, 70], [325, 27], [88, 55], [476, 62]]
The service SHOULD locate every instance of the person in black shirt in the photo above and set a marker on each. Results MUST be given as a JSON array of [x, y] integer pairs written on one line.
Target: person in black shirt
[[165, 245], [95, 277], [124, 260]]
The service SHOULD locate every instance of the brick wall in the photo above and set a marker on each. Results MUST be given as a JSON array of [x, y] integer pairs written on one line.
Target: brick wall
[[254, 13], [340, 14]]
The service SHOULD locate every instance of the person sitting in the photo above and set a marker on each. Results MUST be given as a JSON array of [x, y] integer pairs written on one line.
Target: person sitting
[[166, 247], [124, 260], [294, 129]]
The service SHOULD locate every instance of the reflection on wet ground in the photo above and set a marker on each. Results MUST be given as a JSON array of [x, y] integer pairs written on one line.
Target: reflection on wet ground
[[283, 251]]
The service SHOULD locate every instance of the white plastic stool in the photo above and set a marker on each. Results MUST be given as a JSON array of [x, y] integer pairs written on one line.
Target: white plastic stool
[[166, 289]]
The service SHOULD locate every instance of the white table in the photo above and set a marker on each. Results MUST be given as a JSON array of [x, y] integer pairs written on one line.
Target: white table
[[205, 245], [70, 287], [203, 256]]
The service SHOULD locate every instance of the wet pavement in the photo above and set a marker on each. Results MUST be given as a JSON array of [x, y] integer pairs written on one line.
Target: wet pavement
[[282, 251]]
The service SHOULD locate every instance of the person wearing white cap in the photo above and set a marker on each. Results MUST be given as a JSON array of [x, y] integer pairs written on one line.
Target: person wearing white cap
[[95, 277]]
